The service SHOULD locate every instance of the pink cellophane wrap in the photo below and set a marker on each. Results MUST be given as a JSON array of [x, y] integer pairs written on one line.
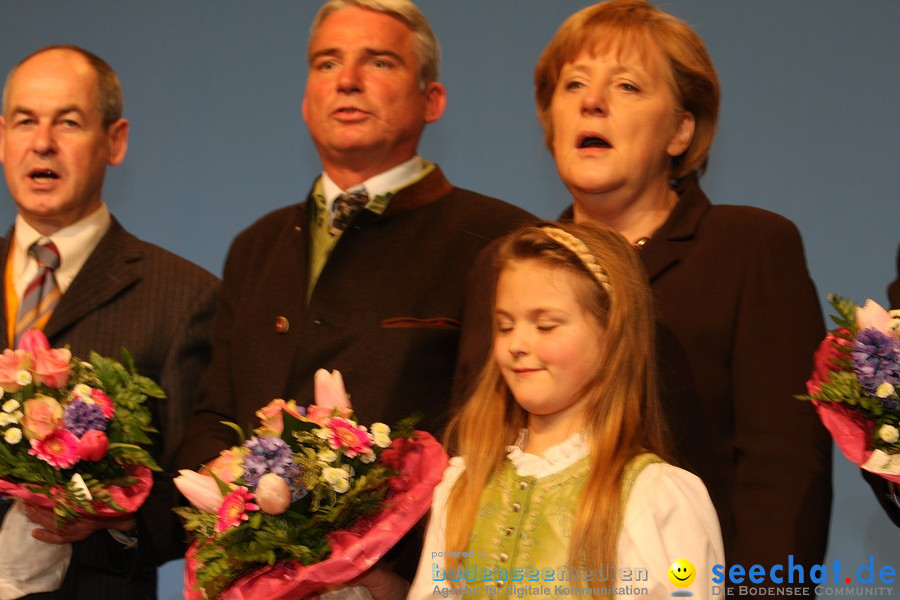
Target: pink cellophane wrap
[[129, 498], [420, 462], [852, 433]]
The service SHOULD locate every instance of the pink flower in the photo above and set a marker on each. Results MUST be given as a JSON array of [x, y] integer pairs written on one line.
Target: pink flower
[[42, 414], [271, 418], [93, 445], [33, 340], [349, 436], [273, 494], [201, 491], [234, 509], [229, 465], [872, 316], [59, 449], [330, 392], [51, 366], [330, 396], [103, 401], [11, 362]]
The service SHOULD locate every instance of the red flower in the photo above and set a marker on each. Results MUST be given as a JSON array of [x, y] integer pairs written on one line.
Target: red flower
[[823, 360]]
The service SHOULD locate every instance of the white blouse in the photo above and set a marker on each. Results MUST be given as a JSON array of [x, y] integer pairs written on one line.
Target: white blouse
[[669, 516]]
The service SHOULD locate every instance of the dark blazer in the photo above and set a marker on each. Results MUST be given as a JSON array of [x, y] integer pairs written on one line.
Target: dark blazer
[[387, 311], [134, 294], [738, 323]]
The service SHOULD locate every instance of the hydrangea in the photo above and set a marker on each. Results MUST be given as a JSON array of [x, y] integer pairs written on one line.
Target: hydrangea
[[269, 455], [876, 357], [80, 417]]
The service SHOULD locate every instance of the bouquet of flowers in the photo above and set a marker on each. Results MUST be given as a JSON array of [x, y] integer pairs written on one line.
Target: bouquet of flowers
[[855, 383], [72, 436], [313, 498]]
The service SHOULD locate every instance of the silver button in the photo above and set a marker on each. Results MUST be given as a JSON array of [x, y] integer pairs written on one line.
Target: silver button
[[523, 485], [504, 557], [516, 507]]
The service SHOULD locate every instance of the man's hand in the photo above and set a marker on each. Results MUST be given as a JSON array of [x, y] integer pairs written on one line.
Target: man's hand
[[74, 531]]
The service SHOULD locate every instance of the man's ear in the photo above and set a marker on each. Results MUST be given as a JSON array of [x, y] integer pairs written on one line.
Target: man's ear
[[117, 137], [435, 101]]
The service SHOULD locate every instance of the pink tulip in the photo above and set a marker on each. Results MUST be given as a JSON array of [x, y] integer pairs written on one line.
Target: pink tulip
[[273, 495], [93, 445], [330, 392], [34, 340], [872, 316], [201, 491], [330, 395]]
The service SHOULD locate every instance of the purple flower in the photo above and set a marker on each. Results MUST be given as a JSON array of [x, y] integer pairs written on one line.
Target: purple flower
[[876, 357], [80, 417], [269, 455]]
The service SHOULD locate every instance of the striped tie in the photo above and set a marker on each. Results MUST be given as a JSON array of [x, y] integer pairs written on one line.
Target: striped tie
[[42, 294]]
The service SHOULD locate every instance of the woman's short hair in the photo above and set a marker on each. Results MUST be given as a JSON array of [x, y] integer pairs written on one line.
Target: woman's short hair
[[617, 24]]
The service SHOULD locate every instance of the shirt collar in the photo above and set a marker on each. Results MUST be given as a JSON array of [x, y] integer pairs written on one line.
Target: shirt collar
[[75, 243], [393, 179]]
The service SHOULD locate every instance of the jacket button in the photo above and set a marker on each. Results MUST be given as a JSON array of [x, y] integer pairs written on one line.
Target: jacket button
[[282, 324]]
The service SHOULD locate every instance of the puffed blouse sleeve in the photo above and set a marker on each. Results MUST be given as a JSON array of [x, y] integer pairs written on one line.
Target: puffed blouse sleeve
[[435, 535], [669, 516]]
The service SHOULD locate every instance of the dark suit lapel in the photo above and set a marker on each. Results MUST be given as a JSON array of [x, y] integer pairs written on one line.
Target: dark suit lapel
[[110, 269], [676, 238]]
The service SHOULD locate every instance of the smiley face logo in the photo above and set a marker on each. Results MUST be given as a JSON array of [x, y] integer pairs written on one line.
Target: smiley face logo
[[682, 573]]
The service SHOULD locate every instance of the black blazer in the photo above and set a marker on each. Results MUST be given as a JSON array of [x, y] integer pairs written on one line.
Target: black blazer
[[131, 293]]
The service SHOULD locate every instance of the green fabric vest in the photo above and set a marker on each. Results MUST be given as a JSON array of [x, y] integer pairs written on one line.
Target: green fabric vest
[[524, 524]]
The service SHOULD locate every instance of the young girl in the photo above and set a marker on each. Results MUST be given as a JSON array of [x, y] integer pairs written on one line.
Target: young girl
[[560, 484]]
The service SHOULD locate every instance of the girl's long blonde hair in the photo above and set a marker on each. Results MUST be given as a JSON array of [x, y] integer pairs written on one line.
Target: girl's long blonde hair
[[620, 405]]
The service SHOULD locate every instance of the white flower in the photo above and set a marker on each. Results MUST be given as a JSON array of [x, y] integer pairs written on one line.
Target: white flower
[[13, 435], [23, 377], [78, 486], [11, 406], [381, 435], [337, 478], [889, 433], [5, 419], [368, 457], [885, 390], [16, 417], [327, 456], [82, 391]]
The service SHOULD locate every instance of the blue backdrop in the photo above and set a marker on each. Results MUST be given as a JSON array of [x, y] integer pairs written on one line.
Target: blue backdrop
[[809, 128]]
